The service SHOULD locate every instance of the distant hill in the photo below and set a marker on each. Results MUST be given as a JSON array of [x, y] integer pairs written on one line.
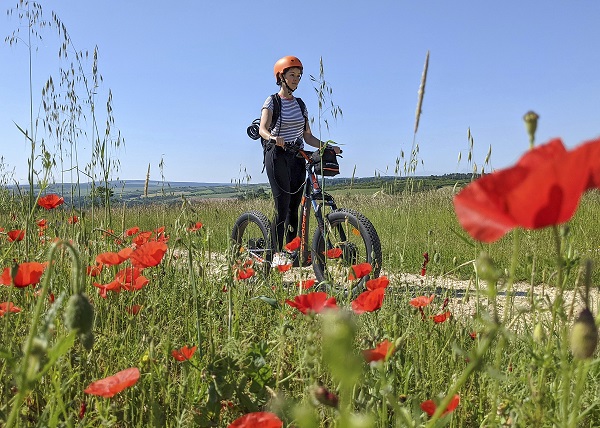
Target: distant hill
[[132, 192]]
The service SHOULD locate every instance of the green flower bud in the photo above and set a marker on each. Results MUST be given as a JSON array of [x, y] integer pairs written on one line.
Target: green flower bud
[[486, 269], [584, 335], [79, 315], [538, 332], [87, 340]]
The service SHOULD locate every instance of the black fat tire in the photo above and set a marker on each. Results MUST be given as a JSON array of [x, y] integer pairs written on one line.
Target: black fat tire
[[260, 228], [369, 251]]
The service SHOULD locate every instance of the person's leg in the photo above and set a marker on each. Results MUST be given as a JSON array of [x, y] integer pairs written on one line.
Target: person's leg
[[297, 179], [279, 179]]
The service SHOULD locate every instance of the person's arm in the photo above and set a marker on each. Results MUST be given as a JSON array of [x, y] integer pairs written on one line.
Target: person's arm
[[311, 140], [265, 119]]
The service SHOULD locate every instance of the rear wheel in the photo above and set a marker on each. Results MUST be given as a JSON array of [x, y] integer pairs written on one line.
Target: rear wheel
[[350, 239], [251, 238]]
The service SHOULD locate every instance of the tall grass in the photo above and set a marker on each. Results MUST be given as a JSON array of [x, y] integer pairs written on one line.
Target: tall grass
[[507, 359]]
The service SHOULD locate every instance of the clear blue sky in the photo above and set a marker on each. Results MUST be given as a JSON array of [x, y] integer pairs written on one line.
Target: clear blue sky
[[188, 77]]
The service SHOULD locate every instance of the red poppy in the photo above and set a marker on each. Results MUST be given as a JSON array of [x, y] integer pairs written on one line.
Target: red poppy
[[381, 352], [42, 223], [50, 201], [381, 282], [28, 273], [257, 419], [112, 385], [430, 407], [293, 245], [313, 302], [245, 273], [73, 219], [284, 268], [542, 189], [6, 307], [109, 259], [133, 310], [360, 270], [195, 227], [132, 231], [441, 317], [368, 301], [421, 301], [306, 284], [142, 238], [16, 235], [149, 254], [473, 335], [94, 270], [131, 279], [184, 353], [334, 253]]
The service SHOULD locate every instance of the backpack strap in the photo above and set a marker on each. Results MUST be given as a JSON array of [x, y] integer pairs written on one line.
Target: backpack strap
[[303, 110]]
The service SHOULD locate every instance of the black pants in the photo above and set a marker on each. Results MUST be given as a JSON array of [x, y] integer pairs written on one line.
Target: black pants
[[286, 176]]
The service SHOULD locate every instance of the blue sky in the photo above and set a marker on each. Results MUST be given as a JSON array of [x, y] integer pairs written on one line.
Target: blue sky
[[188, 77]]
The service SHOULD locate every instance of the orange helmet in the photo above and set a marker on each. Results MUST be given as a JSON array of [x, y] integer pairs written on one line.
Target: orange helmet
[[285, 63]]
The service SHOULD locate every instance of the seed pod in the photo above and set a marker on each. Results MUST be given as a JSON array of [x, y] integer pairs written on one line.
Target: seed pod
[[79, 315], [584, 335], [87, 340], [486, 269]]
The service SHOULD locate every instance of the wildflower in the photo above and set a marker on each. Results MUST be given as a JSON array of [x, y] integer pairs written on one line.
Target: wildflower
[[422, 301], [110, 259], [381, 352], [16, 235], [131, 279], [313, 302], [73, 219], [94, 270], [245, 273], [132, 231], [133, 310], [184, 353], [293, 245], [195, 227], [50, 201], [542, 189], [381, 282], [149, 254], [334, 253], [306, 284], [6, 307], [28, 273], [284, 268], [360, 270], [430, 407], [42, 223], [324, 396], [368, 301], [112, 385], [441, 317], [82, 410], [141, 238], [424, 265], [257, 419], [473, 335]]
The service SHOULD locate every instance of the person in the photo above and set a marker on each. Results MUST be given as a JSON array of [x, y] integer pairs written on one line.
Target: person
[[285, 171]]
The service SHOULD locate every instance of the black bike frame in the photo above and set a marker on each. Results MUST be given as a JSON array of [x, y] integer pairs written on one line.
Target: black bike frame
[[314, 198]]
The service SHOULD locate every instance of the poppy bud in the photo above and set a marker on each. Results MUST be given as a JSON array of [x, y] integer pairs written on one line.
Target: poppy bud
[[325, 397], [486, 269], [584, 335], [87, 340], [531, 119], [538, 332], [79, 315]]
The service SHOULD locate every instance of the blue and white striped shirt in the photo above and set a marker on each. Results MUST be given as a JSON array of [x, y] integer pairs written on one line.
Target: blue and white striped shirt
[[290, 124]]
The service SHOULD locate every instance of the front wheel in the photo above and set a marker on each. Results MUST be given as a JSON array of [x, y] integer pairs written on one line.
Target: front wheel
[[350, 239], [251, 238]]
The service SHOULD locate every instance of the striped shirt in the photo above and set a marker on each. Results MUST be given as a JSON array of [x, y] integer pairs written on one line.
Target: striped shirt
[[290, 124]]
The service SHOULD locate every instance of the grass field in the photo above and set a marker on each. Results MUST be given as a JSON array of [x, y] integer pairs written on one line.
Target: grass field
[[255, 352]]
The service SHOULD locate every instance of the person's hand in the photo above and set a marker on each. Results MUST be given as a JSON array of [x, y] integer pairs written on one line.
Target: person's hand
[[279, 141]]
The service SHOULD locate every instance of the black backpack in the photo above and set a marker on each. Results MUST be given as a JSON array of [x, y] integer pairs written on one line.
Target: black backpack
[[253, 129]]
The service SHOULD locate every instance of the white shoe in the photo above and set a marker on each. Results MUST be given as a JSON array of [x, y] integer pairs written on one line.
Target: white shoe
[[281, 259]]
